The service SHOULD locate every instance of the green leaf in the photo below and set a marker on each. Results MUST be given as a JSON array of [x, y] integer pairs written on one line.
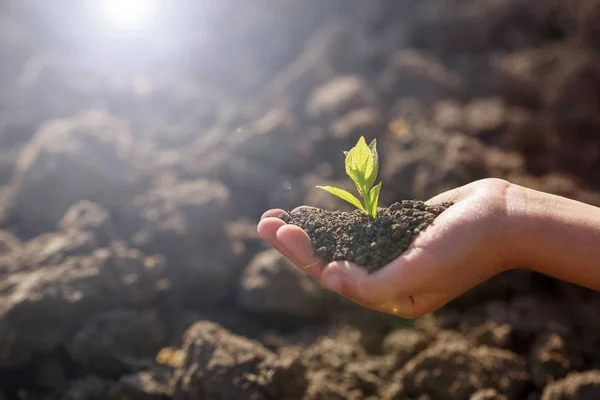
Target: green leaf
[[373, 147], [345, 195], [359, 163], [374, 199], [370, 179], [373, 144]]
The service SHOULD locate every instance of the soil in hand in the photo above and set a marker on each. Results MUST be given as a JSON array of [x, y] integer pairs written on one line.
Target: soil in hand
[[369, 242]]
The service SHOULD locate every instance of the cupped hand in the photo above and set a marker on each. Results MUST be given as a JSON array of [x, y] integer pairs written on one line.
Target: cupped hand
[[464, 246]]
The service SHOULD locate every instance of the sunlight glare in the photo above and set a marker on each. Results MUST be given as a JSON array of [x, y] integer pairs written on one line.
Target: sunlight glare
[[128, 14]]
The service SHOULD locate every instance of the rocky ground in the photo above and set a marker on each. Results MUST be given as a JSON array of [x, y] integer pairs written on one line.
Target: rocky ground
[[130, 188]]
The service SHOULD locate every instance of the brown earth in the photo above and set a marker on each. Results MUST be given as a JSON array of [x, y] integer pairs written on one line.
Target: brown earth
[[354, 236], [133, 171]]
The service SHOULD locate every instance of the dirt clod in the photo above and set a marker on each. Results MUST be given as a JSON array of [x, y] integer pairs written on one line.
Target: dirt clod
[[456, 370], [353, 236], [549, 360], [581, 386], [487, 394]]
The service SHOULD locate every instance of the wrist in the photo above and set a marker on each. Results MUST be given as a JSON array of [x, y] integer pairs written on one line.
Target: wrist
[[501, 200], [512, 226], [522, 224], [541, 228]]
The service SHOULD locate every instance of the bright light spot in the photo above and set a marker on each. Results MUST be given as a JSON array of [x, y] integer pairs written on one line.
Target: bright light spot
[[128, 14], [142, 85]]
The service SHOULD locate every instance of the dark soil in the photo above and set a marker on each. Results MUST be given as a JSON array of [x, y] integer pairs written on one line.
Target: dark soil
[[369, 242]]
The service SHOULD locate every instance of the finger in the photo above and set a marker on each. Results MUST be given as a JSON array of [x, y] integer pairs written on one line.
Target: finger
[[455, 195], [267, 230], [302, 208], [298, 243], [274, 213], [353, 281], [396, 280], [450, 196], [403, 308], [356, 284]]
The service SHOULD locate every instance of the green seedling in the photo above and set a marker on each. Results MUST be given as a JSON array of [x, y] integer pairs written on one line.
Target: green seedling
[[362, 166]]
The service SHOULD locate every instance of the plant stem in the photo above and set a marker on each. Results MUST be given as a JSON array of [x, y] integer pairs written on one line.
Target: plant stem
[[365, 195]]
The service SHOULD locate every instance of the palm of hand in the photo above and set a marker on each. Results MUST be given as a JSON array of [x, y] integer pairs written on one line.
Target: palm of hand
[[462, 248]]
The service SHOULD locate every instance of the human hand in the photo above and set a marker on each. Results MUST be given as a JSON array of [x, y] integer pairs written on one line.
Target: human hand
[[464, 246]]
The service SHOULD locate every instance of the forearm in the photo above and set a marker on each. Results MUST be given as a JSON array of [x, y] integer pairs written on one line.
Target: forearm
[[553, 235]]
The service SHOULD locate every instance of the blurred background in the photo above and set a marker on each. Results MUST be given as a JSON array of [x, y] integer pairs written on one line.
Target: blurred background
[[141, 140]]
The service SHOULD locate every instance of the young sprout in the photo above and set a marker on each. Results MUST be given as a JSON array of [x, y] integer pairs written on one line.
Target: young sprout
[[362, 166]]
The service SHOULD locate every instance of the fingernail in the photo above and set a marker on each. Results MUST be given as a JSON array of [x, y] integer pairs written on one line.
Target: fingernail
[[332, 281], [267, 214], [342, 265]]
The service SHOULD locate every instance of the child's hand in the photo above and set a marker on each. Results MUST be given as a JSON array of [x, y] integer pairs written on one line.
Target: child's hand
[[464, 246]]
